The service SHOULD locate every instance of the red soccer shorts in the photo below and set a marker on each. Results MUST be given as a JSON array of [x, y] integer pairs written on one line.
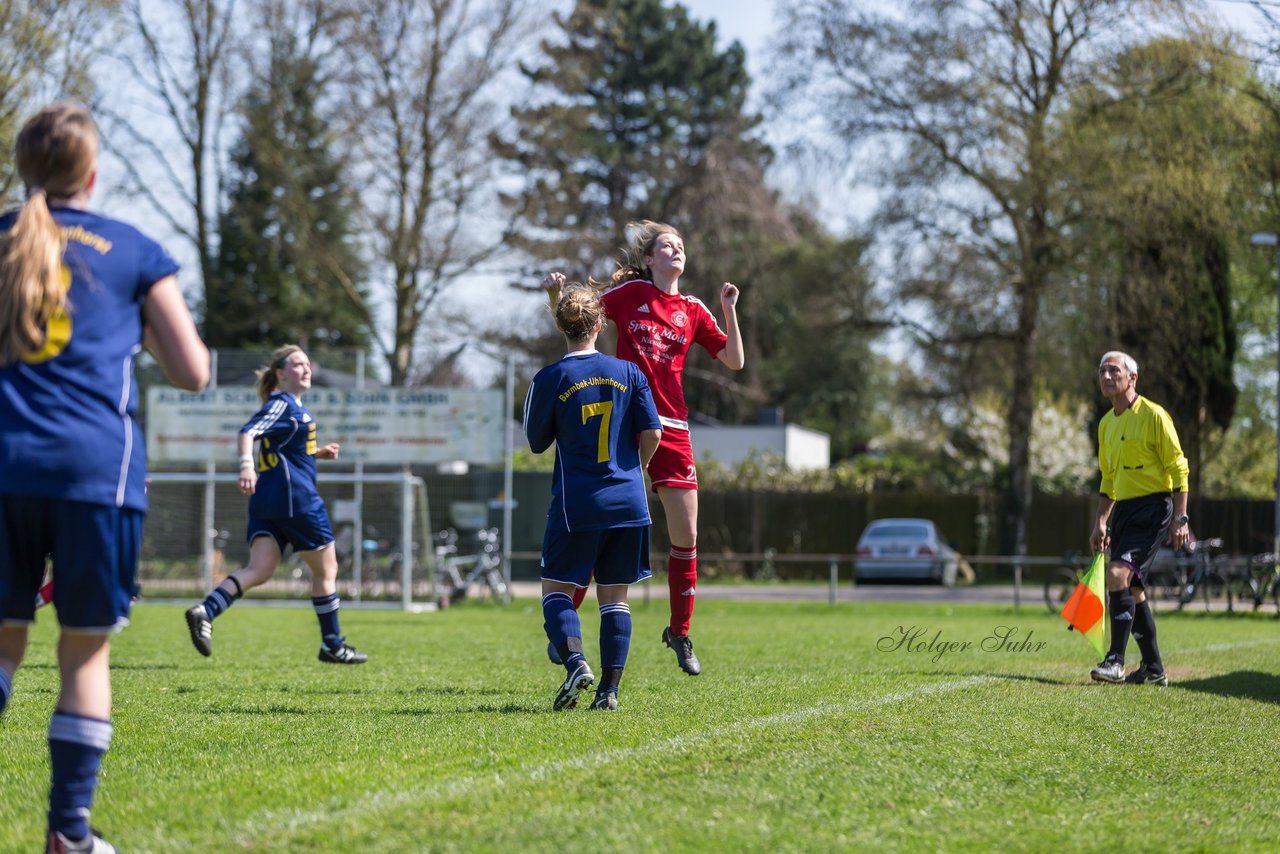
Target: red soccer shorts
[[672, 464]]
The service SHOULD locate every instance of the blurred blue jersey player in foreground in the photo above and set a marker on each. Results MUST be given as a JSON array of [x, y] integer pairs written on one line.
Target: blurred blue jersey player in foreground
[[80, 294], [599, 412], [285, 509]]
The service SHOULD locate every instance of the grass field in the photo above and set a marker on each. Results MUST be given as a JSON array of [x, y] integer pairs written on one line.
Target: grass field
[[808, 730]]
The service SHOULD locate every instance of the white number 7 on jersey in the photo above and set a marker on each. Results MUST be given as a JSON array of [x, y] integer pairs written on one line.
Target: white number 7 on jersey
[[605, 410]]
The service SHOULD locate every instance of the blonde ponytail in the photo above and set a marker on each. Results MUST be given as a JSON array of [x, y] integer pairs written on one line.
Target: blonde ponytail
[[267, 375], [31, 285], [56, 154]]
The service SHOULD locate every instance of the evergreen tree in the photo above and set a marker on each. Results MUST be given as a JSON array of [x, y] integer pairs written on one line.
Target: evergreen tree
[[287, 267], [637, 92], [813, 337], [643, 118]]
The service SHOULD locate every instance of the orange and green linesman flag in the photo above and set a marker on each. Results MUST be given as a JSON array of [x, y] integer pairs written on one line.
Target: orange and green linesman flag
[[1086, 609]]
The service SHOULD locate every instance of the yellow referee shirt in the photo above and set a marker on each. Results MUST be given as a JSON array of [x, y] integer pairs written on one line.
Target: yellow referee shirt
[[1139, 452]]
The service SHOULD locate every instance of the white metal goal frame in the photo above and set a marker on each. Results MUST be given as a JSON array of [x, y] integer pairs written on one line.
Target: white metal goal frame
[[411, 487]]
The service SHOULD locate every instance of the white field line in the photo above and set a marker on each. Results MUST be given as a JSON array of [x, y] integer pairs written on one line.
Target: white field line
[[1223, 647], [273, 823]]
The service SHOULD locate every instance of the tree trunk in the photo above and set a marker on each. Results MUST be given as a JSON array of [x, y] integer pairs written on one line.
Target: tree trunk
[[1016, 506]]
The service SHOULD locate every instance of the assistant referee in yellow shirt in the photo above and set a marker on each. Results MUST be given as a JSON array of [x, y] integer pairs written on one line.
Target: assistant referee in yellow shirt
[[1144, 497]]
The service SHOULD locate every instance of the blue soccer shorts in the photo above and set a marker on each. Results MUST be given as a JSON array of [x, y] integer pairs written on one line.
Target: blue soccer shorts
[[94, 549], [617, 555], [306, 532]]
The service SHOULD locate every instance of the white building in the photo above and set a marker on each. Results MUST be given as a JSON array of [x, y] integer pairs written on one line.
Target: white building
[[799, 448]]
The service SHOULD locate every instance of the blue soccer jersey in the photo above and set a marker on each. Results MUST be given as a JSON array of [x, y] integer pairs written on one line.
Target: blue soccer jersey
[[592, 406], [286, 459], [66, 412]]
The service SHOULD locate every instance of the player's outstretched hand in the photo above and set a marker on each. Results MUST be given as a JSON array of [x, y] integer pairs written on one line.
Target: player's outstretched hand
[[328, 452], [729, 295], [552, 284]]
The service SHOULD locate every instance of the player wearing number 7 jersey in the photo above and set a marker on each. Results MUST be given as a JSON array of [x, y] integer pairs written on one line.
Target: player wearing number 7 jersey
[[600, 414], [657, 326]]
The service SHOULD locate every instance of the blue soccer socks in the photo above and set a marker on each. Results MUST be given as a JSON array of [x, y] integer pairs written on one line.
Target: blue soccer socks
[[615, 634], [563, 628], [6, 688], [76, 747], [220, 600], [217, 602], [327, 613]]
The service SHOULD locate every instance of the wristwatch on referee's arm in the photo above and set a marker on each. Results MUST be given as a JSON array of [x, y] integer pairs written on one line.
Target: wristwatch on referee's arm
[[1181, 520]]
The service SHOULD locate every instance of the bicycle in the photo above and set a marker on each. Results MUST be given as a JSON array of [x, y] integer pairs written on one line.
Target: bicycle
[[1168, 579], [484, 568], [1203, 579], [372, 545], [1262, 580]]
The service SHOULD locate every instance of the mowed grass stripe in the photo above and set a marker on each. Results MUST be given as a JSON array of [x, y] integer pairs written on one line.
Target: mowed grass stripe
[[804, 733], [271, 824]]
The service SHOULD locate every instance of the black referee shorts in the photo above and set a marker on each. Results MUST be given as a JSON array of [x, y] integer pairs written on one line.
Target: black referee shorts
[[1139, 526]]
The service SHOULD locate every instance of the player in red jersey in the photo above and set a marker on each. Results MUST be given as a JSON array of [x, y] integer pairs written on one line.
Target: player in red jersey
[[657, 326]]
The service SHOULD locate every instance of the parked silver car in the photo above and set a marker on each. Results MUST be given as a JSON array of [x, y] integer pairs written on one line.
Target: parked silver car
[[905, 549]]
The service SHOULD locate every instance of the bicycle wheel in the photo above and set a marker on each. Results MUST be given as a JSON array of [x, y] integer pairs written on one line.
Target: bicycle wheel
[[1058, 588], [1163, 585], [446, 588], [1212, 589], [498, 586], [1247, 590]]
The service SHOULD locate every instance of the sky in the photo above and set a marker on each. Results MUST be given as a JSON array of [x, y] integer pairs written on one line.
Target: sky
[[752, 23], [748, 21]]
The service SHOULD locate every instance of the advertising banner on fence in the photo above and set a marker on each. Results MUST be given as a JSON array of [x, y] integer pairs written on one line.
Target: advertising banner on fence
[[386, 425]]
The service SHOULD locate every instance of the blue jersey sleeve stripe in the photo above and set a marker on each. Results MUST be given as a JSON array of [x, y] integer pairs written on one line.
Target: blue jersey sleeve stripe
[[263, 422]]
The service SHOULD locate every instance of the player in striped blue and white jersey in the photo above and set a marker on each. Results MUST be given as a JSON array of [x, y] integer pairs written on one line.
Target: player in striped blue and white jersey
[[285, 508], [599, 413]]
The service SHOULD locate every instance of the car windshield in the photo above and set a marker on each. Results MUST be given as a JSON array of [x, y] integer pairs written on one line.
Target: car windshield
[[898, 532]]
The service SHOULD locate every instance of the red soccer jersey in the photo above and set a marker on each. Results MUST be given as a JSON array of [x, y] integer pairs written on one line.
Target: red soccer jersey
[[656, 330]]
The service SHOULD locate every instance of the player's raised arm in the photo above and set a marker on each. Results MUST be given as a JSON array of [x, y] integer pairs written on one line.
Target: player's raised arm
[[733, 356]]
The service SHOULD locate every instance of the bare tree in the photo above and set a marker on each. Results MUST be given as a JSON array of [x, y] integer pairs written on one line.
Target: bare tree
[[179, 58], [46, 47], [957, 101], [426, 76]]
